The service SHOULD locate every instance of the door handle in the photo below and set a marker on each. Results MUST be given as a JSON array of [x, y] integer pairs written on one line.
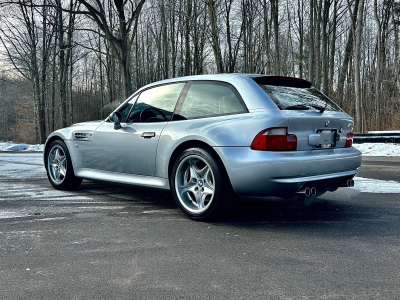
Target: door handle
[[148, 135]]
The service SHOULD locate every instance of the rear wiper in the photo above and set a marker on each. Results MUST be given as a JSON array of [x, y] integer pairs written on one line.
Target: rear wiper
[[298, 107], [320, 108], [306, 107]]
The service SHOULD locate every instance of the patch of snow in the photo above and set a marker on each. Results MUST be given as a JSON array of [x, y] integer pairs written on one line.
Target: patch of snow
[[11, 146], [378, 149], [368, 185], [383, 132]]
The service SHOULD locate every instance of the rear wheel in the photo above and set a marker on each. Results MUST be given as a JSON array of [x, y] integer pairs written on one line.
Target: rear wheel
[[200, 185], [59, 167]]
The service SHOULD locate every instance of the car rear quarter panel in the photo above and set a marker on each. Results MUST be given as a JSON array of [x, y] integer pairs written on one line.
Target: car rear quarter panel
[[223, 131]]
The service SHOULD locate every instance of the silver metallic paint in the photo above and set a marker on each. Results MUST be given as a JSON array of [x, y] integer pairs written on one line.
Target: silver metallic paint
[[111, 154], [125, 150], [123, 178], [257, 173]]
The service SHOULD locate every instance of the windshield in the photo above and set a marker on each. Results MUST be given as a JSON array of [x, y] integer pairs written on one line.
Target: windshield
[[290, 98]]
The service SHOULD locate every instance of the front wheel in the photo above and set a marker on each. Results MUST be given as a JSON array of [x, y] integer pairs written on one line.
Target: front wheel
[[200, 185], [59, 167]]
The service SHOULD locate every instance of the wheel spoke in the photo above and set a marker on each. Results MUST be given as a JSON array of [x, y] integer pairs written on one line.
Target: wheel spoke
[[209, 180], [53, 172], [62, 171], [51, 158], [199, 200], [202, 202], [63, 159], [204, 172], [193, 170], [57, 173], [207, 191], [189, 188], [57, 154]]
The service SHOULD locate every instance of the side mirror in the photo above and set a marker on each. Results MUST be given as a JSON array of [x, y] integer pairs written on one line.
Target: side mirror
[[116, 118]]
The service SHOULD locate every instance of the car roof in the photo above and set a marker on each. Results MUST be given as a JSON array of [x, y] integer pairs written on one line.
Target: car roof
[[229, 77]]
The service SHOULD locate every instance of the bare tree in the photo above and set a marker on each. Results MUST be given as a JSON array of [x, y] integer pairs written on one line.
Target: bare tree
[[27, 48], [357, 29], [121, 38]]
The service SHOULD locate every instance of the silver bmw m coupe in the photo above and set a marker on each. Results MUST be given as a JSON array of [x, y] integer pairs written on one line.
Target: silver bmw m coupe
[[212, 138]]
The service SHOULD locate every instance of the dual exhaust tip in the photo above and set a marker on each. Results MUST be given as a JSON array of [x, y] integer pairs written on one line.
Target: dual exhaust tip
[[350, 182], [312, 191]]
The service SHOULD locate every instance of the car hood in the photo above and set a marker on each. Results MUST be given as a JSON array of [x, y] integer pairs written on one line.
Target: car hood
[[88, 124]]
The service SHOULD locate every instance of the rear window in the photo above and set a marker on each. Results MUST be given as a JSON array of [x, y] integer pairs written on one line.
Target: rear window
[[291, 98]]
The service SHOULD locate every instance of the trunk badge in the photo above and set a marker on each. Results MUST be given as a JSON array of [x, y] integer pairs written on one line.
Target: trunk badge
[[327, 123]]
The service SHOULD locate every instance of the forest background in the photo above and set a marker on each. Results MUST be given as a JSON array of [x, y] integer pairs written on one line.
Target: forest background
[[67, 61]]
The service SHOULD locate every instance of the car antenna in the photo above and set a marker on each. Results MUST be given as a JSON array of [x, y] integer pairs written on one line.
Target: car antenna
[[262, 70]]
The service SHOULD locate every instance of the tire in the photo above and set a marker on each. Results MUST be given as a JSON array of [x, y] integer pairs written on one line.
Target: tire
[[200, 185], [59, 167]]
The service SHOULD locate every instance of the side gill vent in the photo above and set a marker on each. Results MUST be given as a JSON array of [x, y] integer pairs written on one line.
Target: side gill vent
[[82, 136]]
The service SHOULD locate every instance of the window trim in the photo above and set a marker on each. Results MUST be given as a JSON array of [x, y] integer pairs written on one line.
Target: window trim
[[186, 89]]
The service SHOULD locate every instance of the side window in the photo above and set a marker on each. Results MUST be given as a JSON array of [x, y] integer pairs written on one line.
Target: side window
[[156, 104], [206, 99], [126, 108]]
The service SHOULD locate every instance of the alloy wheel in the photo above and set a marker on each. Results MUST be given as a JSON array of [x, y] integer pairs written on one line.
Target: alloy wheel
[[57, 164], [194, 184]]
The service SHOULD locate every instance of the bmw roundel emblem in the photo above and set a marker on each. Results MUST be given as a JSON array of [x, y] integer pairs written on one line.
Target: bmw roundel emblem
[[200, 183], [327, 123]]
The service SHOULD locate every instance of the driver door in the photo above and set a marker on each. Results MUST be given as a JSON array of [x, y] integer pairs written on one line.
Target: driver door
[[132, 148]]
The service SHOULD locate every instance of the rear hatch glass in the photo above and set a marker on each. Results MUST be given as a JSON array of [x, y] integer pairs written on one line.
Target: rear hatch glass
[[293, 98], [316, 120]]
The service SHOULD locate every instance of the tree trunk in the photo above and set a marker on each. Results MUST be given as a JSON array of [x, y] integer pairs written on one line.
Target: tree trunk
[[396, 51], [214, 36], [300, 14], [62, 65], [42, 111], [325, 59], [347, 55], [187, 37], [275, 17], [357, 65], [333, 49], [318, 46], [311, 44], [378, 66], [164, 41]]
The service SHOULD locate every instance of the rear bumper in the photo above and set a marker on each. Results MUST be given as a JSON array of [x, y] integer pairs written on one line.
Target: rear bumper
[[264, 173]]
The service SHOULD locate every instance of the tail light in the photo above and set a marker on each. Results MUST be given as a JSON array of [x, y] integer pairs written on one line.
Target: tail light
[[349, 138], [275, 139]]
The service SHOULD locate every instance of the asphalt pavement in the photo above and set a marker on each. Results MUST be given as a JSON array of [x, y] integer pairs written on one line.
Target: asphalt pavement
[[111, 242]]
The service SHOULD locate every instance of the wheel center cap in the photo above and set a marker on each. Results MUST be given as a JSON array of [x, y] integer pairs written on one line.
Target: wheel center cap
[[200, 183]]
